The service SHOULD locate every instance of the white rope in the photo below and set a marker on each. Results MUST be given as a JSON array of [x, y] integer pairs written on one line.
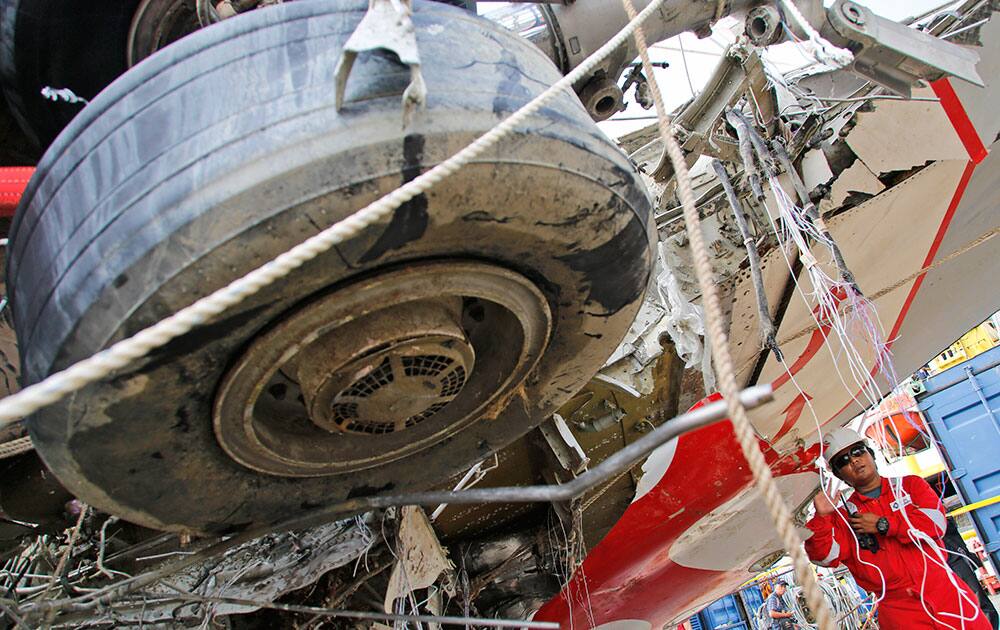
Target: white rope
[[824, 51], [976, 242], [87, 371], [865, 316], [780, 514]]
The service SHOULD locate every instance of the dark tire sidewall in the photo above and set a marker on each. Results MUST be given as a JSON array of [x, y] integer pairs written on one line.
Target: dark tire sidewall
[[141, 444]]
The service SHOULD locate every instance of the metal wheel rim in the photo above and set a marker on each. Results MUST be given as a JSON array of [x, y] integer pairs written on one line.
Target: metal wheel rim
[[256, 441]]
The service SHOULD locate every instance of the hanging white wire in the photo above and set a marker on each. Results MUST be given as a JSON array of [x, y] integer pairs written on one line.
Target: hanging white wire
[[857, 324]]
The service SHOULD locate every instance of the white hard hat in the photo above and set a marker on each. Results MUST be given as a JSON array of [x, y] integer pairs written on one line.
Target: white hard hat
[[839, 439]]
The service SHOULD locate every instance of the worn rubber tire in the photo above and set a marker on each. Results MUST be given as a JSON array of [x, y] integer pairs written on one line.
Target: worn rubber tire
[[217, 154]]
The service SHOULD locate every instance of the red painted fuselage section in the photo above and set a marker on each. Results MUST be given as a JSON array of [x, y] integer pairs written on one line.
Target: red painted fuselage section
[[632, 578], [631, 568]]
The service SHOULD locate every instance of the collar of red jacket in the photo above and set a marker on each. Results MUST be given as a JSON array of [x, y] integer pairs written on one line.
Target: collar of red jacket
[[859, 498]]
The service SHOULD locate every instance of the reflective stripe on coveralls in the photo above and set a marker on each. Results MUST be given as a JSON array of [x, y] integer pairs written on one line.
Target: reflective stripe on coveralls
[[903, 565]]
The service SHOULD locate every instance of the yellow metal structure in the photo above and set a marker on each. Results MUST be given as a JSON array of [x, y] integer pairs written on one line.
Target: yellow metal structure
[[976, 341], [975, 506]]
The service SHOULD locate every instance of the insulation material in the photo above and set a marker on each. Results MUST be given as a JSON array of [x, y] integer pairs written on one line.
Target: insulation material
[[857, 178], [421, 558], [684, 321], [815, 169], [899, 135]]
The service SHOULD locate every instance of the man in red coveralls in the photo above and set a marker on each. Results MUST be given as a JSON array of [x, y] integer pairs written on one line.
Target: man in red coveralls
[[870, 534]]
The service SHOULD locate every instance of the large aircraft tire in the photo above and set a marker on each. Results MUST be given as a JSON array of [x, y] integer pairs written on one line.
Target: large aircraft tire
[[400, 357]]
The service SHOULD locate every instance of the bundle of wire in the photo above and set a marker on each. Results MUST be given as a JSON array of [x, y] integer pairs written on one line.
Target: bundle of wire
[[841, 312]]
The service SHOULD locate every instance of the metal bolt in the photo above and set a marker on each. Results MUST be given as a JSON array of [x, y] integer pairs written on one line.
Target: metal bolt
[[853, 13], [644, 426]]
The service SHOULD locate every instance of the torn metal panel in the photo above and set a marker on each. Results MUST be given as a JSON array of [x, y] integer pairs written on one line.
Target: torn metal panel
[[899, 135], [830, 83], [262, 570], [815, 169], [857, 178], [385, 26], [422, 559], [564, 445], [902, 220], [638, 142], [683, 320]]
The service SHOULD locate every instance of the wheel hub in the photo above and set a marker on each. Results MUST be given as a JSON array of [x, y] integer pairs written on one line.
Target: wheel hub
[[381, 369], [403, 364]]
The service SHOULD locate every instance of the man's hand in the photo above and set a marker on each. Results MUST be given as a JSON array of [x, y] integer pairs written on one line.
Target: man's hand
[[864, 523], [823, 505]]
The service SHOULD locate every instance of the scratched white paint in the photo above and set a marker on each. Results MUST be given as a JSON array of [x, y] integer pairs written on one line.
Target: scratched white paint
[[740, 531], [654, 468]]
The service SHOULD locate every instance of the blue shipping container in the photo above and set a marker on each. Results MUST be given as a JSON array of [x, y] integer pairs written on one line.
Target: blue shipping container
[[723, 613], [962, 405], [753, 599]]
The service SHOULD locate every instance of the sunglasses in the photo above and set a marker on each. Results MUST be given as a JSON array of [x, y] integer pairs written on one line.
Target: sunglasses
[[845, 458]]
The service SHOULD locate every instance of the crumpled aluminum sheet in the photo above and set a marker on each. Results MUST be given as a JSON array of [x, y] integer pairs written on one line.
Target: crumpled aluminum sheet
[[263, 569]]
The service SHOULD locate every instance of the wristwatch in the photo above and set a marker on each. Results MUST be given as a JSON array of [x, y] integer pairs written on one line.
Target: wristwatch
[[882, 526]]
